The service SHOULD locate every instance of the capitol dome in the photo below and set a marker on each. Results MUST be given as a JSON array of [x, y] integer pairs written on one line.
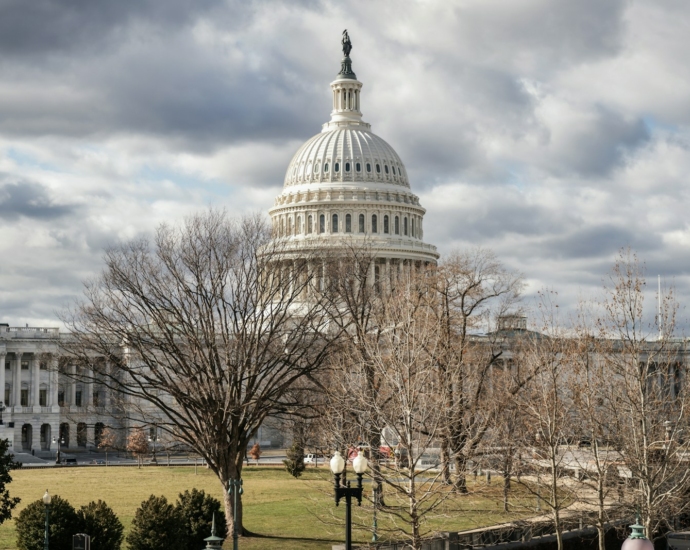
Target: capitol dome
[[346, 184]]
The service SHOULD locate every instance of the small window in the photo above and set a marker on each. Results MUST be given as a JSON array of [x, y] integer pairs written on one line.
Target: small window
[[25, 365], [348, 223], [42, 394], [361, 223], [368, 167], [325, 168], [385, 224], [378, 168], [347, 166], [336, 167], [334, 226], [61, 397], [374, 224], [385, 168], [405, 226], [322, 223], [25, 397], [77, 398], [309, 224], [393, 169], [397, 225], [358, 167]]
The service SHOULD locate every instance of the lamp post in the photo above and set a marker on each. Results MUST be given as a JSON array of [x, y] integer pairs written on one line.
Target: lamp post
[[235, 491], [337, 467], [153, 439], [59, 441], [46, 534]]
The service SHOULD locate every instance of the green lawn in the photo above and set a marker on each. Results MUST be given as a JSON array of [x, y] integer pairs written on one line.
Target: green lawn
[[287, 513]]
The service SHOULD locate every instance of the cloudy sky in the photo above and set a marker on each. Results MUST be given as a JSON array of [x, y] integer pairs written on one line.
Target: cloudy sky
[[554, 132]]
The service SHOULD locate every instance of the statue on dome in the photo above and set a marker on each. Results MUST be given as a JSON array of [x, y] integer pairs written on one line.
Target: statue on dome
[[347, 45]]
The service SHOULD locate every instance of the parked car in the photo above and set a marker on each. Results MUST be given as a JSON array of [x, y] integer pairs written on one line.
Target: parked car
[[313, 458], [70, 462]]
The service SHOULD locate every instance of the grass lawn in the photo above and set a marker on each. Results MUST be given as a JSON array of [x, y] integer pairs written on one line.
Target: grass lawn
[[287, 513]]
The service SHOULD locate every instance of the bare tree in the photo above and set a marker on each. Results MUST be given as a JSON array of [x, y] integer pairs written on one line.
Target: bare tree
[[647, 396], [472, 289], [546, 406], [138, 444], [407, 412], [207, 325]]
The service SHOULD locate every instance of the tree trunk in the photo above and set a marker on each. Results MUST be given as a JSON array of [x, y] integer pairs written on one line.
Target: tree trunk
[[461, 473], [445, 461]]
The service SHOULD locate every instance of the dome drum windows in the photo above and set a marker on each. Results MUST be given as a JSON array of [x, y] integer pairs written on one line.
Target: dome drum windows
[[334, 226], [397, 225], [322, 223], [348, 223], [325, 168], [309, 224], [361, 223], [368, 167], [336, 167], [385, 225], [378, 168], [405, 226], [358, 167], [374, 223], [385, 168]]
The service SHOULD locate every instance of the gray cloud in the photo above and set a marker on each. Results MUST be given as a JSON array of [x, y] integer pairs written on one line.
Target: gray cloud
[[31, 200]]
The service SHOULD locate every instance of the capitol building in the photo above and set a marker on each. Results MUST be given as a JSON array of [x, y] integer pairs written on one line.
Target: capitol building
[[345, 186]]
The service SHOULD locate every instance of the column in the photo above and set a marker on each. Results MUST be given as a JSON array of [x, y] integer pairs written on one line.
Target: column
[[73, 388], [2, 377], [35, 383], [17, 382], [54, 381], [89, 389]]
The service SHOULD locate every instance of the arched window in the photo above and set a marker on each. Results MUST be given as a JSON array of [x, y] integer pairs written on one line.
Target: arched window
[[374, 224], [322, 223], [81, 434], [334, 226], [347, 166], [385, 168], [393, 169], [299, 225], [309, 225], [361, 223], [405, 225], [397, 225], [358, 167], [368, 167], [378, 168], [336, 167], [413, 233], [348, 223], [325, 168], [385, 224]]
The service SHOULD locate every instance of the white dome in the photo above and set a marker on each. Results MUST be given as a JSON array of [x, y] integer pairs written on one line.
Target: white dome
[[346, 154]]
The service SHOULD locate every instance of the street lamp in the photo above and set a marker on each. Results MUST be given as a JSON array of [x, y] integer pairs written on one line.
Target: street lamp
[[46, 535], [337, 467], [59, 441], [235, 491], [637, 540], [153, 439]]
